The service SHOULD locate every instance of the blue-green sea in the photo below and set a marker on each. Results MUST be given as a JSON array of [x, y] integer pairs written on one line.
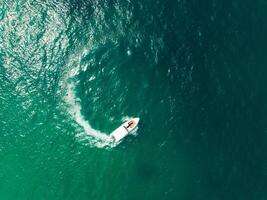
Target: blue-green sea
[[194, 72]]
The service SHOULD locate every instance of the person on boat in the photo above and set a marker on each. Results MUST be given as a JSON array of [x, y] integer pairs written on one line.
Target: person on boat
[[130, 124]]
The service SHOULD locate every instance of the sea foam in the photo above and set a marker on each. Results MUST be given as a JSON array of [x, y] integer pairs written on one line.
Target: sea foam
[[90, 135]]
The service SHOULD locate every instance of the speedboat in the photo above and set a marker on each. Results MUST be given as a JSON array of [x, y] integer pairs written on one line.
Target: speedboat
[[125, 129]]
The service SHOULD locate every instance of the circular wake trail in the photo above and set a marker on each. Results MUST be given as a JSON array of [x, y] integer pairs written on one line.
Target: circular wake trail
[[99, 138]]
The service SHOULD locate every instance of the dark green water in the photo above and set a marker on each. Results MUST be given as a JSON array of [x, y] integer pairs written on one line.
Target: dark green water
[[195, 72]]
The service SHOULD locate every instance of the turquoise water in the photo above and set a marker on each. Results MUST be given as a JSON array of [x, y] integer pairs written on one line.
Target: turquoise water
[[71, 71]]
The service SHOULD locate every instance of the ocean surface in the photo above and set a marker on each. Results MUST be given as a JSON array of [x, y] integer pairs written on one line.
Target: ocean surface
[[195, 72]]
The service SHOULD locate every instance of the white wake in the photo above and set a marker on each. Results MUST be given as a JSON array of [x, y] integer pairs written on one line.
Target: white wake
[[89, 135]]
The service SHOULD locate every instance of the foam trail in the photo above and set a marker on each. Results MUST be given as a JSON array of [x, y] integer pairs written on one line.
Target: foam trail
[[100, 139]]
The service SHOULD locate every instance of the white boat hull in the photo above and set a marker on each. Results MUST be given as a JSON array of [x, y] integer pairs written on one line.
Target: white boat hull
[[125, 129]]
